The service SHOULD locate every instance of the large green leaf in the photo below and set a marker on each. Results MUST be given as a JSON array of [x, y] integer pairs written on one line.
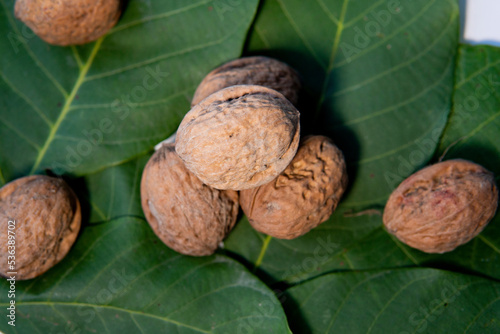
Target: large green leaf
[[120, 278], [395, 301], [81, 109], [126, 91], [379, 82]]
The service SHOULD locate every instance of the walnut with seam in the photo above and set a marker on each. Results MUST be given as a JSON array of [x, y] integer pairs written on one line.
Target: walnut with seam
[[442, 206], [187, 215], [257, 70]]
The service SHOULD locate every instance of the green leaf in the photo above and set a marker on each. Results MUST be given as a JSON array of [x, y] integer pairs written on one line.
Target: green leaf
[[120, 278], [474, 126], [96, 111], [80, 109], [378, 78], [395, 301]]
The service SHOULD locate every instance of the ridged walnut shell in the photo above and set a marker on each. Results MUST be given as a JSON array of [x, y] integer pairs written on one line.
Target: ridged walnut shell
[[442, 206], [68, 22], [303, 196], [258, 70], [240, 137], [47, 221], [187, 215]]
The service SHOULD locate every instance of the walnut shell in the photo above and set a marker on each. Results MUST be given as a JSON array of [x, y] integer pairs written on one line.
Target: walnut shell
[[68, 22], [262, 71], [239, 137], [303, 196], [187, 215], [442, 206], [47, 221]]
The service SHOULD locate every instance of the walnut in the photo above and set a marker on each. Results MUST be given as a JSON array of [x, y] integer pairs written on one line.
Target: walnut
[[303, 196], [262, 71], [68, 22], [42, 215], [239, 137], [187, 215], [442, 206]]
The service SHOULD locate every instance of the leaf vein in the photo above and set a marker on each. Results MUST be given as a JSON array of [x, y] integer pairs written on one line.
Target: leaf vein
[[27, 100], [154, 60], [157, 17], [299, 33]]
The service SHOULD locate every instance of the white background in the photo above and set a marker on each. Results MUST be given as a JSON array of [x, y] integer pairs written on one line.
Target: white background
[[480, 21]]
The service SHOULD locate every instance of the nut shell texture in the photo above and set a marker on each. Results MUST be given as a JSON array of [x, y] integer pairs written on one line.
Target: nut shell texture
[[68, 22], [303, 196], [187, 215], [48, 217], [442, 206], [240, 137], [262, 71]]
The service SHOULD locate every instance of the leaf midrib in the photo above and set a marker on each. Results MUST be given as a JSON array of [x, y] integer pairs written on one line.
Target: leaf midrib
[[67, 104]]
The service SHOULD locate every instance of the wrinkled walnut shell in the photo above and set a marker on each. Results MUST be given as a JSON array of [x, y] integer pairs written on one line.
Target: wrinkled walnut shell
[[239, 137], [262, 71], [442, 206], [68, 22], [47, 220], [303, 196], [187, 215]]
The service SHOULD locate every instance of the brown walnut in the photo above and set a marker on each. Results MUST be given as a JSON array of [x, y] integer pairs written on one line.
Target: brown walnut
[[239, 137], [187, 215], [68, 22], [442, 206], [262, 71], [303, 196], [47, 220]]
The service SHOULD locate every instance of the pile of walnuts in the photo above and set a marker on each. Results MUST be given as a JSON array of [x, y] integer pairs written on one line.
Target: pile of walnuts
[[240, 145]]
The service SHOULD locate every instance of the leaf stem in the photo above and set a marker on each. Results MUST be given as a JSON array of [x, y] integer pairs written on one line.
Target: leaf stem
[[2, 178], [263, 250]]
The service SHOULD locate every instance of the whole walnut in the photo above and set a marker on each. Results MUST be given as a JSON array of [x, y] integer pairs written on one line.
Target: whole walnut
[[262, 71], [187, 215], [68, 22], [42, 216], [442, 206], [239, 137], [303, 196]]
